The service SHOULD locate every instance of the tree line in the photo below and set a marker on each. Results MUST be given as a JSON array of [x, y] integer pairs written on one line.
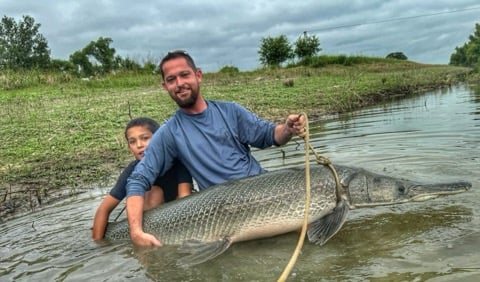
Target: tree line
[[468, 55], [22, 46]]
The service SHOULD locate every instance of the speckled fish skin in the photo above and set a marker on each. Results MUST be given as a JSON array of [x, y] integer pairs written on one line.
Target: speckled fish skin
[[241, 209], [271, 204]]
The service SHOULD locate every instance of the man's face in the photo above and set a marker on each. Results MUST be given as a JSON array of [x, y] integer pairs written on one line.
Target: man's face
[[181, 82]]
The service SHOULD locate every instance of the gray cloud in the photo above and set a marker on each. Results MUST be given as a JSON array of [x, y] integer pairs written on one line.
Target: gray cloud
[[219, 33]]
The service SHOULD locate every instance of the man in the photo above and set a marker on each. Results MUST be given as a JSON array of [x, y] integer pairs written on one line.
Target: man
[[211, 138]]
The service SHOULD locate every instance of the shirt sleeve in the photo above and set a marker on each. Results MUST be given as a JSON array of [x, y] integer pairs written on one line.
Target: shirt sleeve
[[253, 130], [119, 190]]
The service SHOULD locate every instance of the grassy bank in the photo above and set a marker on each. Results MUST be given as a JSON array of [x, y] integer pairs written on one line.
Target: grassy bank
[[60, 135]]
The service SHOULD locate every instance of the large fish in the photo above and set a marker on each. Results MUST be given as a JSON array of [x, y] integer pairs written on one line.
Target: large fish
[[206, 223]]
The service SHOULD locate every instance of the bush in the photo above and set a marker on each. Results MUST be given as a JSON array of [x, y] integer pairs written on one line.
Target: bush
[[231, 70], [397, 55]]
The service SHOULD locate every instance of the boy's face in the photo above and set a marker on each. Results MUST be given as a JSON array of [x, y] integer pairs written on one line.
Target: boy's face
[[138, 138]]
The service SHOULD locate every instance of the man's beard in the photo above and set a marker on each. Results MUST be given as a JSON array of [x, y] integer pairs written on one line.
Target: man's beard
[[189, 102]]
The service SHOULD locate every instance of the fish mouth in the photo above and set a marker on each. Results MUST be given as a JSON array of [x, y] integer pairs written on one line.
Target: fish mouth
[[441, 188], [423, 192], [428, 196]]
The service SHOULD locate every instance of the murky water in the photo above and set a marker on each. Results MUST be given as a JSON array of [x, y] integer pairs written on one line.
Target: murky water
[[433, 137]]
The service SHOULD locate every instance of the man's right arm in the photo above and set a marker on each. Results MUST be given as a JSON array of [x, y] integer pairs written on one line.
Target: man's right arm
[[135, 205], [135, 221], [154, 163]]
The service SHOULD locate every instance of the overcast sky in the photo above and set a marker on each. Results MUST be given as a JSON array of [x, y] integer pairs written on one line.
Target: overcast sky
[[228, 32]]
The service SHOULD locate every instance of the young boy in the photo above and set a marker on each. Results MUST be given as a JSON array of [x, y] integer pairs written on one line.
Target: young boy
[[176, 183]]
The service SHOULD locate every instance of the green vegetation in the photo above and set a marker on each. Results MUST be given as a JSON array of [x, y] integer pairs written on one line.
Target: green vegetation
[[307, 46], [24, 48], [274, 51], [468, 55], [21, 44], [61, 133], [397, 55]]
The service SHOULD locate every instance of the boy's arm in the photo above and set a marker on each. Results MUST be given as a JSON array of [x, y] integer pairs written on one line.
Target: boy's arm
[[101, 216], [111, 201], [184, 189]]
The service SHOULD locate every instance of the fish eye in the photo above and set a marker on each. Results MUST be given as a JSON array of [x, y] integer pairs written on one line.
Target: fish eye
[[401, 189]]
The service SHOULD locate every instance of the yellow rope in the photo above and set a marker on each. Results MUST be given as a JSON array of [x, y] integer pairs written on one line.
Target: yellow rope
[[326, 161], [295, 254], [339, 190]]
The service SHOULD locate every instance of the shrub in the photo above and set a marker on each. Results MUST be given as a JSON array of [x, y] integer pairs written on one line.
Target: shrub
[[231, 70]]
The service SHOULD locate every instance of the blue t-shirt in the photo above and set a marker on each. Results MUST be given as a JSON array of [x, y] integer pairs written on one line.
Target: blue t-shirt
[[168, 182], [214, 146]]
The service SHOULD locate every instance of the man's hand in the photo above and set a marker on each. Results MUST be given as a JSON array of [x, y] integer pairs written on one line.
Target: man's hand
[[296, 125], [145, 239]]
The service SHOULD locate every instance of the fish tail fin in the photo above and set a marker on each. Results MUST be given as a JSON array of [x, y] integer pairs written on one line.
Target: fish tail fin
[[323, 229], [199, 252]]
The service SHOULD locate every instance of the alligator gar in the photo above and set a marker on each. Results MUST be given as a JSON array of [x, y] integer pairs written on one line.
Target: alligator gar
[[206, 223]]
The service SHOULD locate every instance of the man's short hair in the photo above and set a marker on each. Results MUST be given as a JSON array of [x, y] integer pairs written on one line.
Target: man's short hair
[[174, 55]]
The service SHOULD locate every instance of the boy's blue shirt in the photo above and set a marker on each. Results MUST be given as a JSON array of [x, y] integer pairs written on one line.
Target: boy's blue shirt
[[213, 150]]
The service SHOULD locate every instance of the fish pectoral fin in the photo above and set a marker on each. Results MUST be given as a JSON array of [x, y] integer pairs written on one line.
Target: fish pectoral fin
[[323, 229], [199, 252]]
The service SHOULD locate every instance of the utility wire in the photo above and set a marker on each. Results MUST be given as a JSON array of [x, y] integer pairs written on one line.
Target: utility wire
[[394, 19]]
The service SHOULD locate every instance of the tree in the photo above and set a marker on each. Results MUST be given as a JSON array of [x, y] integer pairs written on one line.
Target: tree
[[307, 46], [397, 55], [275, 50], [469, 54], [95, 58], [459, 57], [230, 70], [62, 65], [129, 64], [21, 44], [82, 64], [102, 52]]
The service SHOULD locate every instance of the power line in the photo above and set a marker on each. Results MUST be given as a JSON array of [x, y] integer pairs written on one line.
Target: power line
[[394, 19]]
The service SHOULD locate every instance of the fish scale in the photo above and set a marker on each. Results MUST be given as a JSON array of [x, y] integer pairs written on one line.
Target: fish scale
[[206, 223]]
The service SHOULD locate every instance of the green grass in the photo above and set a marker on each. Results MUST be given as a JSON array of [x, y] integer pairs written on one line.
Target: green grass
[[61, 132]]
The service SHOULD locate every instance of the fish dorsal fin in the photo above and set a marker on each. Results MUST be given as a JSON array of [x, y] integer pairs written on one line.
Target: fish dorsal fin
[[323, 229], [199, 251]]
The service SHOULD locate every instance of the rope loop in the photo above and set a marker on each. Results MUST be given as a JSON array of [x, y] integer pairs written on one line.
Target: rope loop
[[322, 160]]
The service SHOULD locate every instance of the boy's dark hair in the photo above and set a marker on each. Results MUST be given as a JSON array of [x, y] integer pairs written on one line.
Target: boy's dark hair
[[151, 124], [173, 55]]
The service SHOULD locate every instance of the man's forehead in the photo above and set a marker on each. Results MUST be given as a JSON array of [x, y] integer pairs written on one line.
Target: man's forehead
[[176, 65]]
